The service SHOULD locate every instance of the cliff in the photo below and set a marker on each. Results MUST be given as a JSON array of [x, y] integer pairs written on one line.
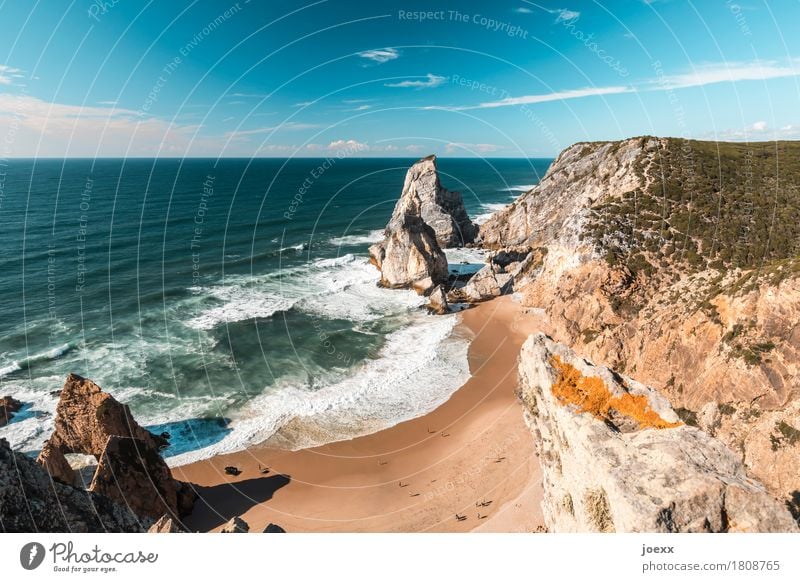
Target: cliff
[[616, 458], [676, 262]]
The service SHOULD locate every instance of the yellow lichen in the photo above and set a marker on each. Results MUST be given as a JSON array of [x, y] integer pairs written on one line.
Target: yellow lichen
[[590, 394]]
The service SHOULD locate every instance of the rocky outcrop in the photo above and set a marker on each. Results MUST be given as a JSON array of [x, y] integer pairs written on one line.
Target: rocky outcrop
[[31, 501], [438, 207], [425, 219], [486, 284], [8, 407], [409, 256], [166, 524], [235, 525], [616, 457], [130, 470], [86, 416], [437, 301], [273, 528], [55, 463]]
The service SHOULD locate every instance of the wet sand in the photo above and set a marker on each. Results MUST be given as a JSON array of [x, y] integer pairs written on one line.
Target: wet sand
[[473, 457]]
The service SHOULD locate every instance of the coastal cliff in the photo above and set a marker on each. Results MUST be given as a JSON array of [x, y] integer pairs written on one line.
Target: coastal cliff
[[616, 457], [676, 262]]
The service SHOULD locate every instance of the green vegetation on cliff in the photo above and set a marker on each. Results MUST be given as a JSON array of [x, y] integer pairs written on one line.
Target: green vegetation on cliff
[[707, 204]]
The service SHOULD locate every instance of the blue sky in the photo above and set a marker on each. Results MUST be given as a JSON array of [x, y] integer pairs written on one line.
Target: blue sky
[[407, 78]]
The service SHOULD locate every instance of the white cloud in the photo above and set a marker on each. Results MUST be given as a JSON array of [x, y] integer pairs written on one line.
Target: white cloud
[[350, 144], [731, 72], [380, 55], [10, 75], [758, 131], [288, 126], [430, 81], [542, 98], [39, 128], [523, 10], [476, 148]]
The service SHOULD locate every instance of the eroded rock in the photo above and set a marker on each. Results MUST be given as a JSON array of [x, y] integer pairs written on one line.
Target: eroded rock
[[130, 471], [86, 416]]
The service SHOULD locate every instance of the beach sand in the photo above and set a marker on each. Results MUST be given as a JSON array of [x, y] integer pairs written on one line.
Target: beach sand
[[413, 477]]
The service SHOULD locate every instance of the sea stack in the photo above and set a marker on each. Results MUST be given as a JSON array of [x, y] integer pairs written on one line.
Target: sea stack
[[441, 209], [410, 254]]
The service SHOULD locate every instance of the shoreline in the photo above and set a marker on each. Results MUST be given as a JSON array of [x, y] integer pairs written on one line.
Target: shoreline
[[414, 476]]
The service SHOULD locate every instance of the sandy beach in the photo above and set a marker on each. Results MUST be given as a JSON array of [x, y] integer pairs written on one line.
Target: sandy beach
[[473, 456]]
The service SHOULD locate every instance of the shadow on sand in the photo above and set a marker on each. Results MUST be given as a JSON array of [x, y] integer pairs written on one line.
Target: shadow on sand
[[217, 505]]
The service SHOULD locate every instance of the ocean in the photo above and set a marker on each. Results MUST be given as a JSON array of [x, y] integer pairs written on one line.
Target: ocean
[[228, 302]]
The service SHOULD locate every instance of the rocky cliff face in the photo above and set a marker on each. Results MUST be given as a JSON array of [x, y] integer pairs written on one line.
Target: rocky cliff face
[[676, 262], [617, 458], [31, 501]]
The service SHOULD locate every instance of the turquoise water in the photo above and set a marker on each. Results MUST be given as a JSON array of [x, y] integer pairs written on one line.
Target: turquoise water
[[227, 301]]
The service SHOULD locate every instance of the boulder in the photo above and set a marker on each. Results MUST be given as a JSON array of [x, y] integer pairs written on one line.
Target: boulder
[[616, 458], [487, 284], [438, 207], [32, 501], [132, 472], [273, 528], [55, 463], [166, 524], [437, 301], [235, 525], [8, 407], [86, 416]]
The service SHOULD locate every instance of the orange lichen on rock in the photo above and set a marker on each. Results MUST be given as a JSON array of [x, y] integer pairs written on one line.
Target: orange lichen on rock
[[590, 394]]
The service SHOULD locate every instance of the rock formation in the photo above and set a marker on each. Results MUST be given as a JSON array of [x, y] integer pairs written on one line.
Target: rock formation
[[437, 301], [409, 256], [8, 407], [273, 528], [31, 501], [651, 271], [439, 208], [86, 416], [166, 524], [235, 525], [54, 461], [129, 469], [616, 457], [425, 219]]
